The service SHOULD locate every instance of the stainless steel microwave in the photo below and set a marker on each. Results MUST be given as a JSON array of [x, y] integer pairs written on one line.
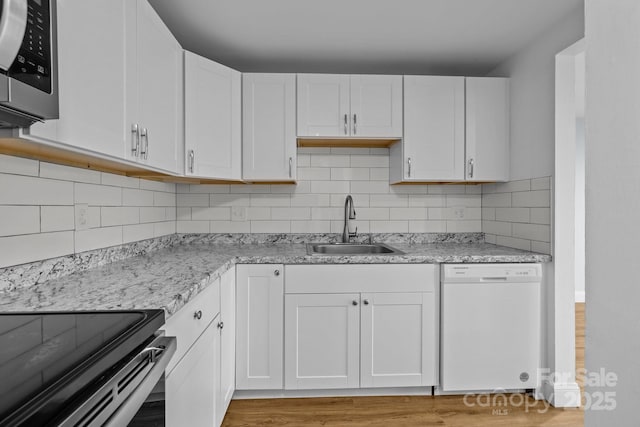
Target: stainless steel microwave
[[28, 62]]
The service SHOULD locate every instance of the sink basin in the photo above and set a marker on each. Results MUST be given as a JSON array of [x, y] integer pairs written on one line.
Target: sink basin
[[351, 249]]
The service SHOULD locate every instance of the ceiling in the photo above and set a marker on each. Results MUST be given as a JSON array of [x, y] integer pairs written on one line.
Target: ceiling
[[361, 36]]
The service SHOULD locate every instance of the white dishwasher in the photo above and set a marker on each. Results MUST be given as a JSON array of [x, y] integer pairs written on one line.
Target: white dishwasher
[[490, 320]]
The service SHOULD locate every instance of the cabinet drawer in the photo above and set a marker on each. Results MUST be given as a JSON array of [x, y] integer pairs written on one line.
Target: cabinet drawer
[[192, 319], [348, 278]]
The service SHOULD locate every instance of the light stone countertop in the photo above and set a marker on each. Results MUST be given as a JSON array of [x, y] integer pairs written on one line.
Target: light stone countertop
[[169, 278]]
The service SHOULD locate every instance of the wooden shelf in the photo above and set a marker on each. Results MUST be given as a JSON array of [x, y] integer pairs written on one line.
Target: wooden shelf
[[347, 142]]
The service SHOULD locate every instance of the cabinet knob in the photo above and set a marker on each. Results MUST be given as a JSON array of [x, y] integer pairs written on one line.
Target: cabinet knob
[[135, 139], [276, 273], [354, 302], [220, 325], [365, 302], [197, 315]]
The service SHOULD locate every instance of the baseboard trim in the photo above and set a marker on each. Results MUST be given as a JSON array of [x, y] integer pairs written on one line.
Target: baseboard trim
[[580, 296], [285, 394], [561, 395]]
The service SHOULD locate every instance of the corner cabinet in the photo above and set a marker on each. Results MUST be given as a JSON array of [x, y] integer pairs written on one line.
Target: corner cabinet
[[455, 129], [342, 323], [121, 90], [269, 127], [362, 106], [259, 323], [212, 119]]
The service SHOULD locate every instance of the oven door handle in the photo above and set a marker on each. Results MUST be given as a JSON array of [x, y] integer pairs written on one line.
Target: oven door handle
[[128, 409], [13, 24]]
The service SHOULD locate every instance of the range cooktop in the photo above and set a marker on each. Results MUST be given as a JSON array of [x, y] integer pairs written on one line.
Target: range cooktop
[[48, 360]]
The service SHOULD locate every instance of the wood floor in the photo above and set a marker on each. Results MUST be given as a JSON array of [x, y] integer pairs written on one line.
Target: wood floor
[[406, 410]]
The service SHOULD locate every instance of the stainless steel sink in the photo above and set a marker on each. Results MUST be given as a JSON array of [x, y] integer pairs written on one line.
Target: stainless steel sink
[[351, 249]]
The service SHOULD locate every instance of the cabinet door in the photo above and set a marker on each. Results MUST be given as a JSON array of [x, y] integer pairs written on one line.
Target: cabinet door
[[487, 127], [259, 331], [227, 327], [159, 82], [212, 119], [322, 341], [269, 127], [433, 128], [91, 76], [376, 106], [323, 105], [191, 388], [399, 340]]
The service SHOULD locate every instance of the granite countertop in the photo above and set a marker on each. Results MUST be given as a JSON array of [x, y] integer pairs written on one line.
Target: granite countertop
[[169, 278]]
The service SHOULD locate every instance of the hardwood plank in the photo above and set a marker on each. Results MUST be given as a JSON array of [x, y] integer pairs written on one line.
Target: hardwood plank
[[408, 410]]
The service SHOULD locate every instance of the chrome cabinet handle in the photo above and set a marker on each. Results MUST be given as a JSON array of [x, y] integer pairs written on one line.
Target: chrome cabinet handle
[[354, 302], [220, 325], [355, 124], [365, 302], [290, 167], [144, 148], [470, 168], [197, 315], [192, 159], [135, 139], [346, 125], [276, 273], [409, 167]]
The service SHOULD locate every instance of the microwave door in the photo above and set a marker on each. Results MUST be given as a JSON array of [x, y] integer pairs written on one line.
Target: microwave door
[[13, 23]]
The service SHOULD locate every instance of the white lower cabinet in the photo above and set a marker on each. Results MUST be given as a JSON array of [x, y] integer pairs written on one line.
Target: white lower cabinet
[[259, 327], [377, 333], [322, 341], [192, 387], [227, 328]]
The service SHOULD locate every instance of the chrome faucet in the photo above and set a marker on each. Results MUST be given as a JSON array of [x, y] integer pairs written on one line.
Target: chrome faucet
[[349, 213]]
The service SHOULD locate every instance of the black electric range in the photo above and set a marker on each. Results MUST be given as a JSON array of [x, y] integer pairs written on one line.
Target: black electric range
[[51, 361]]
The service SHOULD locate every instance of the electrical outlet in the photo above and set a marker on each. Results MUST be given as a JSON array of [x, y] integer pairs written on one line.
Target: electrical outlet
[[459, 212], [238, 213], [82, 216]]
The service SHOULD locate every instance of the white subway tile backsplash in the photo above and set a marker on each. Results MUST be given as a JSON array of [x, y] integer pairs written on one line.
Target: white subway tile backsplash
[[310, 200], [154, 214], [359, 200], [210, 214], [330, 187], [183, 214], [427, 226], [429, 201], [367, 161], [291, 213], [512, 186], [539, 232], [57, 218], [94, 217], [25, 248], [408, 213], [258, 213], [19, 166], [167, 187], [192, 226], [229, 200], [192, 200], [96, 238], [512, 214], [164, 199], [362, 226], [270, 200], [541, 247], [513, 242], [379, 174], [329, 160], [389, 226], [164, 228], [541, 215], [446, 189], [464, 226], [135, 197], [329, 213], [110, 216], [499, 200], [371, 214], [541, 183], [17, 220], [310, 226], [230, 227], [497, 227], [271, 226], [209, 188], [299, 187], [27, 190], [67, 173], [389, 200], [489, 214], [314, 174], [248, 189], [303, 160], [464, 200], [349, 174], [133, 233], [370, 187], [98, 195], [170, 214], [532, 199]]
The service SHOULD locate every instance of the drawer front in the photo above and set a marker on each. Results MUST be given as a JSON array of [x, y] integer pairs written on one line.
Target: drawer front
[[192, 319], [349, 278]]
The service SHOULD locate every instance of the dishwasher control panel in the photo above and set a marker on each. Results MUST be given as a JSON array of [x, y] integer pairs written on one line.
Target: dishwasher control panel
[[491, 272]]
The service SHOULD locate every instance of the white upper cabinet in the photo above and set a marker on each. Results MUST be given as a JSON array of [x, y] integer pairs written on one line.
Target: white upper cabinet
[[212, 119], [269, 127], [455, 129], [120, 89], [376, 106], [156, 108], [433, 143], [364, 106], [487, 127]]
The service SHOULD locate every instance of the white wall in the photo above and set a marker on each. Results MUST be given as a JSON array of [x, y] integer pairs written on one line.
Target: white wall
[[37, 218], [613, 177], [532, 72]]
